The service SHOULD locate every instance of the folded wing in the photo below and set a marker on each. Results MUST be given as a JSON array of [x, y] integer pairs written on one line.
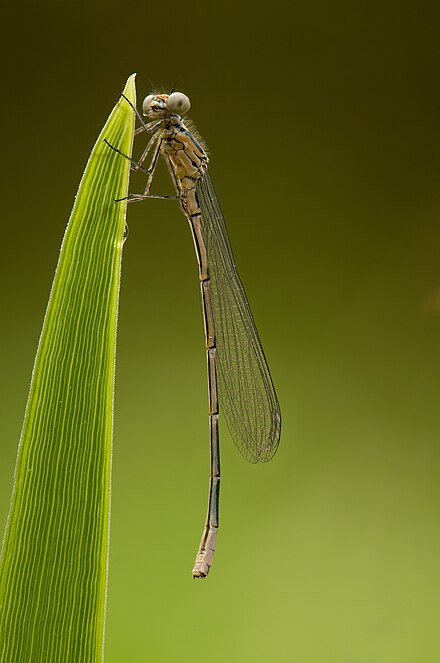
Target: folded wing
[[246, 393]]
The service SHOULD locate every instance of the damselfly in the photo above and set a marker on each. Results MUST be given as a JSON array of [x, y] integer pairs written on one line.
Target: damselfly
[[238, 375]]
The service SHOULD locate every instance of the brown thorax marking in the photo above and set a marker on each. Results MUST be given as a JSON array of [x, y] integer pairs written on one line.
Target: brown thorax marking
[[188, 161]]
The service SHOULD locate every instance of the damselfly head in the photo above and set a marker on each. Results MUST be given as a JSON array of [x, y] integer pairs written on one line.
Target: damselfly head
[[176, 103]]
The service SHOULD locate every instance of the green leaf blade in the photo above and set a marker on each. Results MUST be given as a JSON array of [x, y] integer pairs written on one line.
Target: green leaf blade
[[53, 569]]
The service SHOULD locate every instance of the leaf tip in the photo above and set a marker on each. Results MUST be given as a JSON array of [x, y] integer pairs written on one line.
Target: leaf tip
[[130, 88]]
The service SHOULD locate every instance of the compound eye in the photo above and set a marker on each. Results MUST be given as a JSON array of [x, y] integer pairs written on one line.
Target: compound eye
[[178, 103], [146, 104]]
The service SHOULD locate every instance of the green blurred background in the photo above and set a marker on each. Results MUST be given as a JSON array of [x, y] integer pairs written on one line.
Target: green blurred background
[[322, 121]]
